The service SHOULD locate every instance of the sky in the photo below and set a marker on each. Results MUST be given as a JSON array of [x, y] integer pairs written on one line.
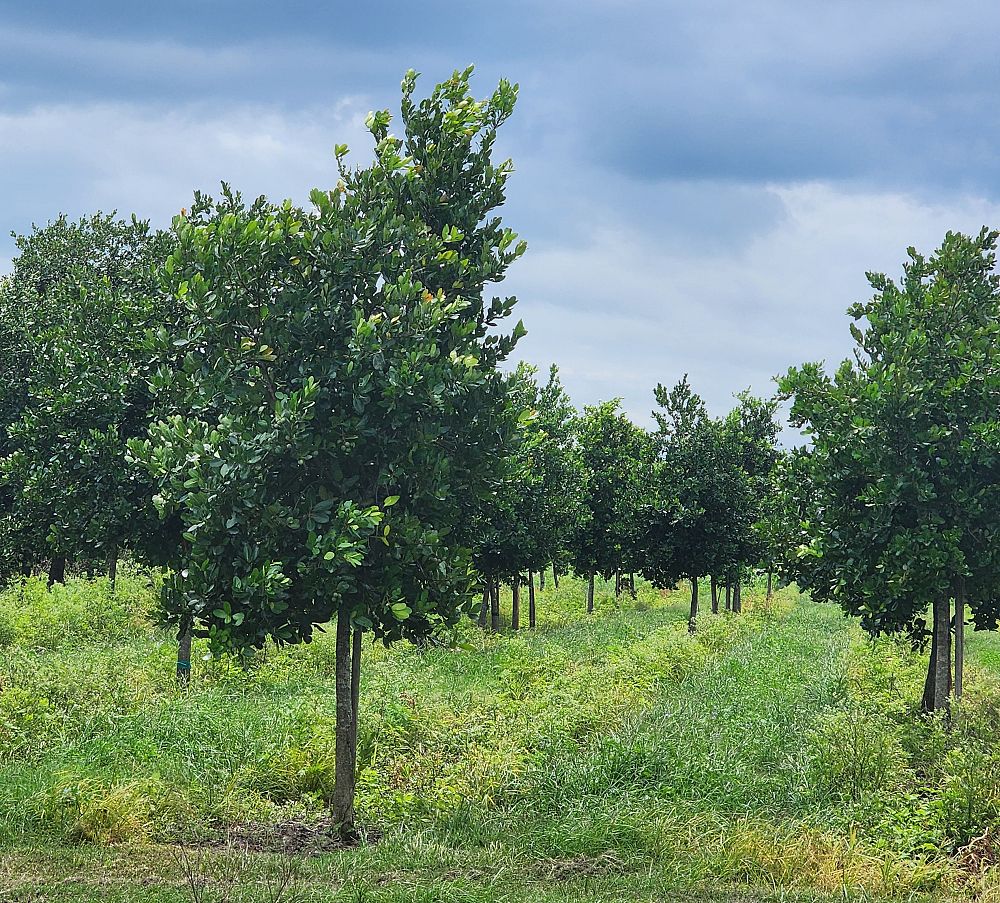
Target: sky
[[703, 186]]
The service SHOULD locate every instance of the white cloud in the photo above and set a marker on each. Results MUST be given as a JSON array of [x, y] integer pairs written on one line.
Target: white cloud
[[624, 311], [79, 159]]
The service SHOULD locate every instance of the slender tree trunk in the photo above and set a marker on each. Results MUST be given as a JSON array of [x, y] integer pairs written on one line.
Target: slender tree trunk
[[631, 585], [715, 595], [693, 619], [345, 771], [737, 596], [57, 570], [184, 654], [770, 584], [590, 595], [484, 609], [618, 584], [515, 604], [541, 578], [729, 595], [355, 692], [531, 598], [495, 606], [555, 577], [938, 683], [113, 569], [959, 636]]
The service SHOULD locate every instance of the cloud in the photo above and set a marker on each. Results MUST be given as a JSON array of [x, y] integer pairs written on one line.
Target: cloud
[[627, 310], [702, 185], [79, 159]]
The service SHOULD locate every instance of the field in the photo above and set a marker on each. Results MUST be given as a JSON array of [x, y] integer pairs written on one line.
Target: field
[[775, 755]]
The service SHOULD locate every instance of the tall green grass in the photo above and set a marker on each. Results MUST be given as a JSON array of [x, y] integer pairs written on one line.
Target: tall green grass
[[612, 755]]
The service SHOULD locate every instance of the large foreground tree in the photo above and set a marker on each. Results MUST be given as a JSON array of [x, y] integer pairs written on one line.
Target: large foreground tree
[[338, 372], [903, 503]]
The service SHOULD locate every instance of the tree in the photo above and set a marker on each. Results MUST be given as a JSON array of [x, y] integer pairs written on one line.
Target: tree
[[777, 529], [338, 370], [904, 464], [498, 527], [701, 514], [73, 316], [538, 505], [559, 508], [615, 455], [752, 433]]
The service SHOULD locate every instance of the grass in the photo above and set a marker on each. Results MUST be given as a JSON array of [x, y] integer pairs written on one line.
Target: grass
[[774, 755]]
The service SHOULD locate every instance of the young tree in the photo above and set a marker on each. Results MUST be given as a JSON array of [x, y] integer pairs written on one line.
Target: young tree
[[538, 505], [904, 474], [338, 369], [700, 519], [751, 433], [558, 509], [616, 456]]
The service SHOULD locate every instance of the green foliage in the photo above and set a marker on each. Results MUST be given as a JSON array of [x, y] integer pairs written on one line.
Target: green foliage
[[73, 316], [530, 520], [616, 456], [903, 469], [856, 754], [711, 481], [336, 373]]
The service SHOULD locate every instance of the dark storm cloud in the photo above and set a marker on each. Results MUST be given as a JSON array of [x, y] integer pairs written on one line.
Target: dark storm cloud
[[702, 185]]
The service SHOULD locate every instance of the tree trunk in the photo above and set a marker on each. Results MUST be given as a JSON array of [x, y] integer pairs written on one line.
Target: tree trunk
[[959, 636], [345, 770], [770, 584], [113, 569], [484, 609], [57, 570], [938, 683], [631, 585], [515, 604], [495, 606], [715, 595], [531, 598], [590, 595], [541, 578], [355, 692], [737, 596], [693, 619], [555, 577], [618, 584], [184, 654], [729, 595]]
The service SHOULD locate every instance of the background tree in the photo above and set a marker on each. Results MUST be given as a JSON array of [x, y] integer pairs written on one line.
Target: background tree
[[751, 435], [615, 455], [904, 463], [700, 518], [338, 371], [559, 509], [74, 314], [530, 520]]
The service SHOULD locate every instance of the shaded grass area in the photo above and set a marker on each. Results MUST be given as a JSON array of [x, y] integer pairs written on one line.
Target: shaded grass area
[[606, 757]]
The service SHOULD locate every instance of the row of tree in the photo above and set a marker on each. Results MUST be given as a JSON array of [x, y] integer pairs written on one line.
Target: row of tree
[[594, 493]]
